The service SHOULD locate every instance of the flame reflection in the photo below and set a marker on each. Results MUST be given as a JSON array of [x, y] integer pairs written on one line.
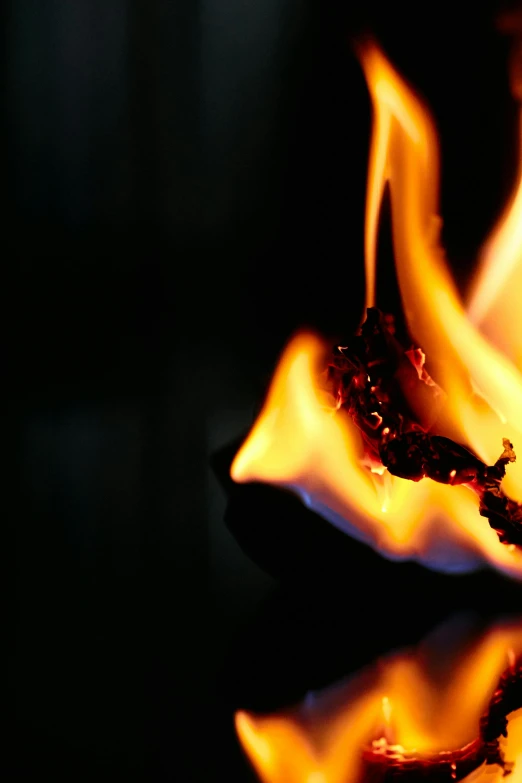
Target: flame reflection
[[422, 702]]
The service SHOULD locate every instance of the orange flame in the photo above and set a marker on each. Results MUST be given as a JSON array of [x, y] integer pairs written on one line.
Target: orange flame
[[493, 302], [404, 153], [300, 441], [430, 710]]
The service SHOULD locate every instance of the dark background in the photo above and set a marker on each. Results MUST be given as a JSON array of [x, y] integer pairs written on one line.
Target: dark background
[[183, 187]]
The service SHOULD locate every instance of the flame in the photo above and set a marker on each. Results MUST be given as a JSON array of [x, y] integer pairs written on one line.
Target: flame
[[493, 302], [428, 712], [404, 154], [302, 442]]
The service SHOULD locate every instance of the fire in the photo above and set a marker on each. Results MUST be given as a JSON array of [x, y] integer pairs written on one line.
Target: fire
[[428, 711], [302, 442], [492, 297]]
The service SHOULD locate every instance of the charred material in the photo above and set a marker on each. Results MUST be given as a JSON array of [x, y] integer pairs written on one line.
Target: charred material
[[494, 725], [395, 404]]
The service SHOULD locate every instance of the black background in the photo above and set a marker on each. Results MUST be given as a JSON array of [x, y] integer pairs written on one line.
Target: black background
[[184, 187]]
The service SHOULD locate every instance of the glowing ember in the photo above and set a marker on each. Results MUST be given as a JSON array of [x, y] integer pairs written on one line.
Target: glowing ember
[[468, 397], [373, 371], [450, 712]]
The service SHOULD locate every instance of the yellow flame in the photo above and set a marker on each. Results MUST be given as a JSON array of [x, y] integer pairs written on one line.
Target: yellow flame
[[299, 441], [494, 303], [431, 711], [458, 355], [386, 709]]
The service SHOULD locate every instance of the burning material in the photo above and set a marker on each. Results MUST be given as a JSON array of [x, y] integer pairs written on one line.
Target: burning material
[[374, 380], [408, 717], [355, 441]]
